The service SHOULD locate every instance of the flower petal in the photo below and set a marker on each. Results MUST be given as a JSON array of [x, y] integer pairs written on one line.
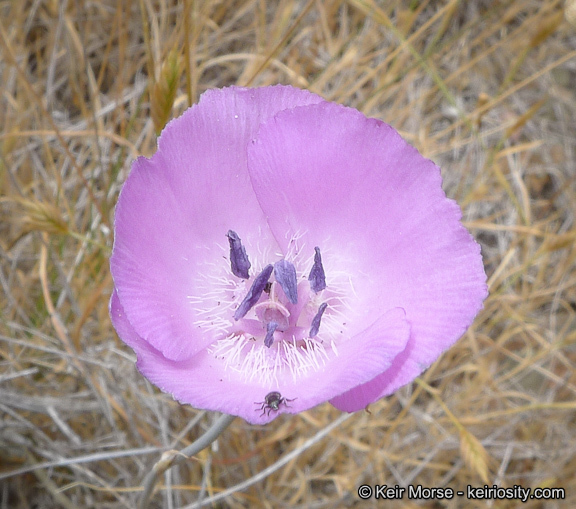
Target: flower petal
[[352, 184], [203, 381], [183, 200]]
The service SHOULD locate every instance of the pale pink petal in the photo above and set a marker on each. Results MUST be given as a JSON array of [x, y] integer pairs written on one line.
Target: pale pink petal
[[353, 186], [204, 382], [175, 209]]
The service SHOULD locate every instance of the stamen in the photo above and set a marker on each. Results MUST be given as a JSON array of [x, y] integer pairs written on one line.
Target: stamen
[[254, 293], [315, 325], [270, 328], [285, 274], [317, 277], [238, 257]]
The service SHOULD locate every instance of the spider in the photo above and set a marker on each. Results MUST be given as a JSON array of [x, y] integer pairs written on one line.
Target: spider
[[272, 401]]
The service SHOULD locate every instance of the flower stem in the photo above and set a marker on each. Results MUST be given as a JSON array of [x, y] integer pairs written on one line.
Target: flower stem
[[172, 458]]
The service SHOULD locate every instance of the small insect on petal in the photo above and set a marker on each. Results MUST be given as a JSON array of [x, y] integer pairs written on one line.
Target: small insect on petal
[[272, 401]]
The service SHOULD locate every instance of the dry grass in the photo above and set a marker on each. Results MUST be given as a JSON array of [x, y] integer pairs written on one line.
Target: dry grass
[[485, 88]]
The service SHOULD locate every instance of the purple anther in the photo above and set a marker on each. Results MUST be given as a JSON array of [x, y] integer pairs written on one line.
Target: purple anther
[[315, 325], [270, 328], [285, 274], [254, 293], [238, 257], [317, 277]]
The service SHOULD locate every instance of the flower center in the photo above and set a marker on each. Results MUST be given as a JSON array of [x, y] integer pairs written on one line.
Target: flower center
[[282, 318], [274, 310]]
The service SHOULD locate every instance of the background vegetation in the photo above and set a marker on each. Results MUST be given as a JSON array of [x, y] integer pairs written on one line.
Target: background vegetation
[[485, 88]]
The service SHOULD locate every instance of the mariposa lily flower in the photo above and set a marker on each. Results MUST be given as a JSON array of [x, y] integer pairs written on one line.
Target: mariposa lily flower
[[279, 251]]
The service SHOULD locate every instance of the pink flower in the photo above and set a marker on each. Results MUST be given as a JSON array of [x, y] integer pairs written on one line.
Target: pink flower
[[279, 251]]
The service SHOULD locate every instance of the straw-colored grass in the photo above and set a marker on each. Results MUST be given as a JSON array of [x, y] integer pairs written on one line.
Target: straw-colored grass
[[485, 88]]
